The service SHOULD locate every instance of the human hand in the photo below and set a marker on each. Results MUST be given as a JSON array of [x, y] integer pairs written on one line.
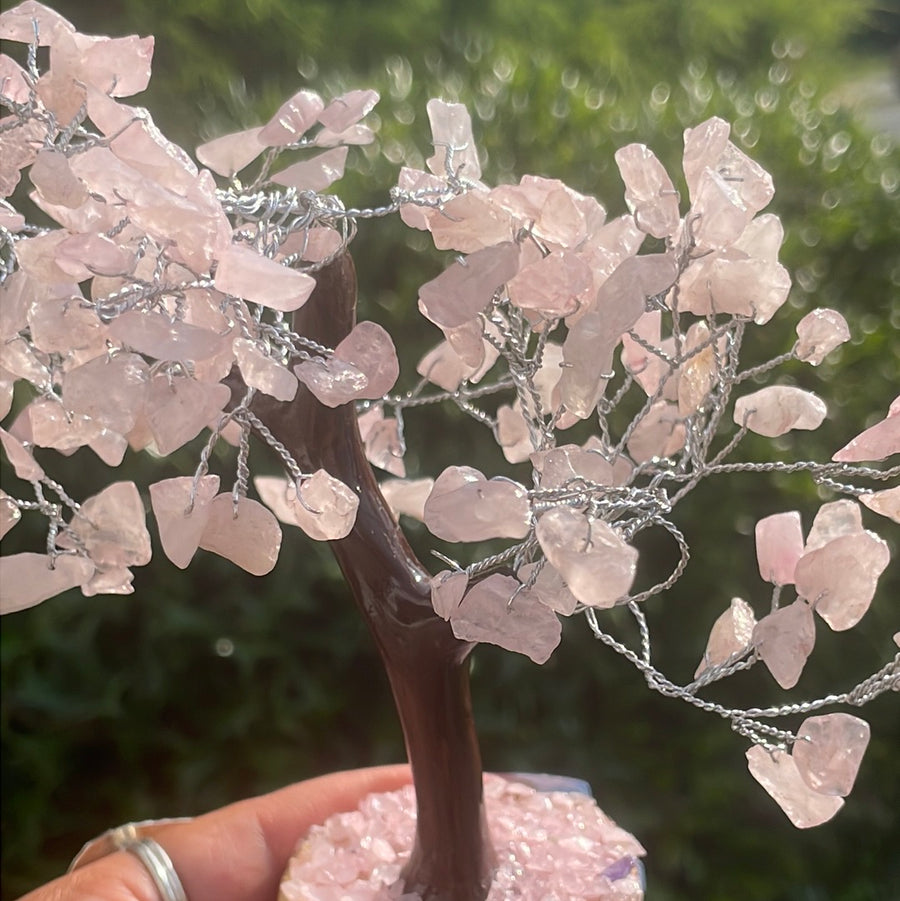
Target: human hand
[[236, 853]]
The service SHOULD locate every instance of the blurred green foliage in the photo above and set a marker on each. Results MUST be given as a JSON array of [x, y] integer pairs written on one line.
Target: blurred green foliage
[[209, 685]]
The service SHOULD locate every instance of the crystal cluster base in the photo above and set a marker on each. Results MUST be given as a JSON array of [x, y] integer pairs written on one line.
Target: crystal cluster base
[[549, 845]]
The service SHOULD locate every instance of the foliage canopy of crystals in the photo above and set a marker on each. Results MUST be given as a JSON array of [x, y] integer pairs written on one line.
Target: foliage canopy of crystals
[[158, 280]]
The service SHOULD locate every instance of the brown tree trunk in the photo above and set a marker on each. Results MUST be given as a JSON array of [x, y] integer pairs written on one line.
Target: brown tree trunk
[[426, 665]]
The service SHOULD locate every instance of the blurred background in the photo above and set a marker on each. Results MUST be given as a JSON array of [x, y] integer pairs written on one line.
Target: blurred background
[[209, 685]]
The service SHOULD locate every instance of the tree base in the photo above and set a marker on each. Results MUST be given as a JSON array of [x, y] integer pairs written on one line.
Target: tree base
[[549, 844]]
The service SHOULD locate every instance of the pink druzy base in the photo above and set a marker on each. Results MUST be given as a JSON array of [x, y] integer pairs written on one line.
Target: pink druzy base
[[550, 845]]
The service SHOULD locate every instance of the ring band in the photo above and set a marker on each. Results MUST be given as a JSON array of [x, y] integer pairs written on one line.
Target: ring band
[[154, 858], [148, 851]]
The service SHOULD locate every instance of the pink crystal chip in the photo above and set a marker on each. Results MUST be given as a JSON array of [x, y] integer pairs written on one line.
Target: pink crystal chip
[[180, 517], [818, 333], [875, 443], [407, 496], [465, 506], [649, 191], [775, 410], [777, 772], [244, 273], [27, 579], [829, 750], [784, 640], [731, 633], [597, 565], [779, 545], [247, 534], [324, 507], [489, 613]]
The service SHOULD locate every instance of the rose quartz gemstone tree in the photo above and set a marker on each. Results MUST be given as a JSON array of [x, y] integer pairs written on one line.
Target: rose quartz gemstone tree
[[174, 302]]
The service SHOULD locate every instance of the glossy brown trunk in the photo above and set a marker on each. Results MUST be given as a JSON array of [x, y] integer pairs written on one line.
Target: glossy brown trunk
[[425, 663]]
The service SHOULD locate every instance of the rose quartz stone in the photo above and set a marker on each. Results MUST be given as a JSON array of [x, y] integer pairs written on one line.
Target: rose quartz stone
[[110, 390], [597, 565], [649, 191], [834, 520], [369, 349], [549, 588], [407, 497], [818, 333], [659, 433], [451, 128], [776, 771], [512, 433], [840, 577], [875, 443], [465, 506], [27, 579], [447, 590], [550, 845], [778, 409], [779, 545], [560, 465], [264, 373], [488, 613], [293, 119], [248, 535], [316, 173], [159, 337], [231, 153], [111, 527], [23, 463], [10, 514], [178, 409], [555, 286], [180, 518], [886, 503], [381, 439], [324, 507], [346, 110], [829, 750], [332, 381], [784, 640], [244, 273], [731, 633]]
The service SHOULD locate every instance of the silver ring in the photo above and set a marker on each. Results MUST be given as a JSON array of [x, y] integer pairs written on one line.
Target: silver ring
[[153, 856]]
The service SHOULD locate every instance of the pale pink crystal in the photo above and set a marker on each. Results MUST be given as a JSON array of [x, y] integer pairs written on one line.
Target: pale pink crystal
[[550, 844], [443, 367], [465, 506], [777, 409], [16, 294], [447, 590], [698, 374], [777, 773], [346, 110], [466, 287], [23, 463], [412, 181], [262, 372], [246, 534], [324, 507], [19, 359], [53, 426], [588, 349], [369, 349], [165, 339], [703, 147], [549, 588], [111, 527], [109, 581], [454, 146], [231, 153], [886, 502], [316, 173], [470, 222], [17, 23], [180, 517], [560, 465], [37, 257], [469, 341], [27, 579], [818, 333], [10, 514], [555, 286], [109, 446], [840, 577], [729, 281], [109, 390], [525, 625], [83, 256], [244, 273], [62, 325], [381, 438], [784, 640], [407, 497], [829, 750], [512, 433], [13, 83], [731, 633], [649, 192], [354, 134], [332, 381], [834, 520], [293, 119], [52, 176], [779, 545], [596, 563], [7, 382], [659, 433], [178, 409], [875, 443]]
